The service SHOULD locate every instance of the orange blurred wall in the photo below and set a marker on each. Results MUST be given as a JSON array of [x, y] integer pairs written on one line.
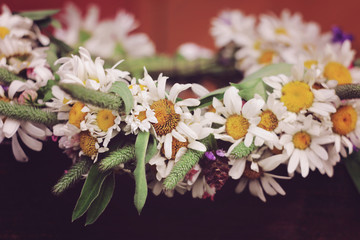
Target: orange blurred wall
[[172, 22]]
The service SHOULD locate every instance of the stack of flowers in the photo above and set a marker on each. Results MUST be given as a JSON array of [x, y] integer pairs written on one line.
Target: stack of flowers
[[278, 39], [109, 39], [24, 72], [281, 120]]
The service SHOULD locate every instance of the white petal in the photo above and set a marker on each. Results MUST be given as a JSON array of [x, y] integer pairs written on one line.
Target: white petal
[[320, 151], [32, 143], [256, 190], [237, 169], [304, 164], [294, 161], [187, 130], [168, 146], [10, 127], [276, 186], [267, 188], [19, 154], [197, 146], [241, 185]]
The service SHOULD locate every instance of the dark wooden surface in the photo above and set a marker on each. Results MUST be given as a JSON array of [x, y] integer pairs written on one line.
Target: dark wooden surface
[[317, 207]]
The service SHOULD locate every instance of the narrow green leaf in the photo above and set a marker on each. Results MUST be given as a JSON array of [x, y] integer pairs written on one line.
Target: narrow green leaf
[[73, 175], [6, 77], [55, 23], [151, 149], [254, 84], [93, 97], [101, 202], [352, 164], [28, 113], [139, 173], [122, 90], [89, 192], [39, 15]]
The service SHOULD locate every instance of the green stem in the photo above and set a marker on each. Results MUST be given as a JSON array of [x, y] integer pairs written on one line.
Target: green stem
[[93, 97], [117, 157], [28, 113], [73, 175], [185, 164], [348, 91], [241, 150], [7, 77]]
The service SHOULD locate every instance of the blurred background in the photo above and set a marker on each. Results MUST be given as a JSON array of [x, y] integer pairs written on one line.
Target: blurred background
[[170, 23]]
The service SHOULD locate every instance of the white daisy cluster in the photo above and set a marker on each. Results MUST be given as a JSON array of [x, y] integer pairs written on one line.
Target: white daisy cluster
[[87, 128], [22, 53], [104, 38], [302, 125], [281, 39]]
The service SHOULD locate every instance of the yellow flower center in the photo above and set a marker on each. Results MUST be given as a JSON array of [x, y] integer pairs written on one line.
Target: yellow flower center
[[76, 115], [309, 63], [281, 31], [87, 144], [344, 120], [105, 119], [236, 126], [266, 57], [142, 87], [301, 140], [141, 116], [211, 109], [257, 45], [268, 120], [4, 31], [166, 116], [337, 71], [65, 101], [296, 96], [4, 99], [176, 145], [251, 174]]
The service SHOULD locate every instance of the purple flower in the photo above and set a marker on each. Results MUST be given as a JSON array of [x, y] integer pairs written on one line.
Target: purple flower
[[210, 155], [220, 153], [339, 36]]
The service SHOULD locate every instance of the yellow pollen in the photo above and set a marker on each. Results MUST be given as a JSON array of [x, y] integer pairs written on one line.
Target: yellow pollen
[[251, 174], [211, 109], [236, 126], [141, 116], [344, 120], [301, 140], [266, 57], [4, 31], [176, 145], [257, 45], [87, 144], [296, 96], [337, 71], [76, 115], [105, 119], [281, 31], [166, 116], [309, 63], [268, 120], [142, 87], [65, 101]]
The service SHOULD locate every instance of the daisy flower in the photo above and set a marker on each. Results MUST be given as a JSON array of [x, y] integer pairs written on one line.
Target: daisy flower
[[298, 94], [232, 26], [14, 25], [346, 126], [238, 122], [254, 170], [304, 143]]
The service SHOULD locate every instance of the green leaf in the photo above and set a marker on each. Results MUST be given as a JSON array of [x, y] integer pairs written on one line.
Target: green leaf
[[84, 36], [352, 164], [151, 149], [122, 90], [139, 173], [207, 99], [55, 23], [254, 84], [39, 15], [101, 202], [89, 192]]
